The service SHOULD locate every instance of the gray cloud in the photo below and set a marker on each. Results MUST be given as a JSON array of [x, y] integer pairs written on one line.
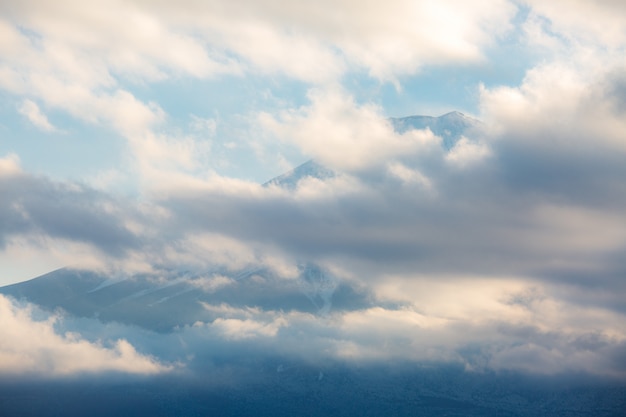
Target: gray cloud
[[41, 207]]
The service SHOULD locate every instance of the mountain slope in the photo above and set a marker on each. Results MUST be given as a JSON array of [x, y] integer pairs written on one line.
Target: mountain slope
[[164, 301], [311, 168], [450, 126]]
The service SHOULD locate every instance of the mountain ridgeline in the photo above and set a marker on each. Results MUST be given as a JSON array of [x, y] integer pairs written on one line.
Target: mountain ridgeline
[[450, 126], [167, 300]]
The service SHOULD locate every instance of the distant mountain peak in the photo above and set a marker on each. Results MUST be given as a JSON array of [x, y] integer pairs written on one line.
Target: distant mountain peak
[[450, 126], [453, 113], [311, 168]]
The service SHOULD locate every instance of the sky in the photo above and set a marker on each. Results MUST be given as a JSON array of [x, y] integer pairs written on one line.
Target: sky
[[135, 136]]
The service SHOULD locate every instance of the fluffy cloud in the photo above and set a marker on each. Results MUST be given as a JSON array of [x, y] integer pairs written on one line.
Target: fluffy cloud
[[503, 324], [9, 165], [31, 111], [126, 38], [343, 135], [513, 326], [599, 22], [93, 47], [386, 39], [33, 346]]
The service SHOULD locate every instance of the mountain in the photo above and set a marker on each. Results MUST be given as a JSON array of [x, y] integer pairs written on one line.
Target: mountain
[[311, 168], [163, 301], [450, 127]]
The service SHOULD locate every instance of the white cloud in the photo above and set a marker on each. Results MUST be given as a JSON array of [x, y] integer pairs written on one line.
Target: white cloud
[[94, 45], [44, 58], [10, 165], [213, 283], [484, 324], [600, 22], [386, 39], [466, 152], [203, 126], [235, 329], [129, 39], [31, 111], [269, 49], [341, 134], [409, 176], [558, 104], [32, 346]]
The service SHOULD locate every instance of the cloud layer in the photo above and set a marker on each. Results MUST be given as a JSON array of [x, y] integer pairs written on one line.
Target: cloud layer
[[503, 252], [32, 346]]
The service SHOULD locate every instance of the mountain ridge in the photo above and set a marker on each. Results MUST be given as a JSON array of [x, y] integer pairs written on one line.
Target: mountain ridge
[[161, 302]]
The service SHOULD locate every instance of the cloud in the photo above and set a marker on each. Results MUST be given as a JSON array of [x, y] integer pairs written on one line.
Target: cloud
[[491, 331], [94, 46], [33, 346], [236, 329], [69, 73], [343, 135], [77, 225], [481, 324], [132, 41], [466, 152], [600, 22], [560, 132], [213, 283], [31, 111], [65, 78], [10, 165], [319, 42], [37, 206]]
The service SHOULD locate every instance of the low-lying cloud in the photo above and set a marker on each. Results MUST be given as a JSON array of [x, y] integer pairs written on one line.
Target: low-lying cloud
[[32, 345]]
